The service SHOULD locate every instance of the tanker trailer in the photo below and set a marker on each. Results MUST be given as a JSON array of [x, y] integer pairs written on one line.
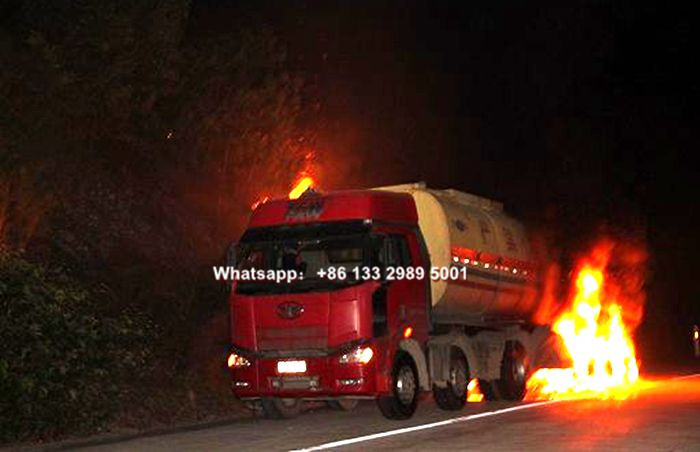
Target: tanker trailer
[[462, 229], [402, 289], [486, 317]]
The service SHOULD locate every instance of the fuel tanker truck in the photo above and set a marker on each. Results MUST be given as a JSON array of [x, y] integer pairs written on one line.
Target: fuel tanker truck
[[395, 291]]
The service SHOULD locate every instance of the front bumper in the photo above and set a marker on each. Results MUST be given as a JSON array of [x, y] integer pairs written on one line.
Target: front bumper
[[324, 377]]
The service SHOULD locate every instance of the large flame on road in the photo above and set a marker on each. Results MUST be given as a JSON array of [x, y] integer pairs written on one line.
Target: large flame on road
[[596, 339]]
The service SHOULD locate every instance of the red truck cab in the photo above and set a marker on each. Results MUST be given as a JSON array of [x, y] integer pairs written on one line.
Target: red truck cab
[[336, 337]]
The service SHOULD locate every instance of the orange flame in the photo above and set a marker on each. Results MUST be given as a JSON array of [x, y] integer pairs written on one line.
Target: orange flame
[[302, 184], [474, 391], [597, 340]]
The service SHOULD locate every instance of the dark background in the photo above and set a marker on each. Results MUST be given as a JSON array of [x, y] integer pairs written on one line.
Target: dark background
[[136, 134], [580, 116]]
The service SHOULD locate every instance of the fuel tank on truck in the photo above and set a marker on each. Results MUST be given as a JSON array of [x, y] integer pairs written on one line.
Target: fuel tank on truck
[[474, 233]]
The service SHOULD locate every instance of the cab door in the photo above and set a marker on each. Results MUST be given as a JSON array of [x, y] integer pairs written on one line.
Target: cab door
[[402, 300]]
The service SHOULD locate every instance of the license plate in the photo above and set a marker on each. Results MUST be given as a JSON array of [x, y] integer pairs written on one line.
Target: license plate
[[291, 367]]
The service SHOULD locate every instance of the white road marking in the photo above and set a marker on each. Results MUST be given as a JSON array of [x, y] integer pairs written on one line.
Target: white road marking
[[416, 428], [685, 377]]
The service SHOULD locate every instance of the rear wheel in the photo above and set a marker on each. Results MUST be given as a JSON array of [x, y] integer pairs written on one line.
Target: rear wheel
[[402, 402], [515, 370], [343, 404], [280, 408], [454, 395]]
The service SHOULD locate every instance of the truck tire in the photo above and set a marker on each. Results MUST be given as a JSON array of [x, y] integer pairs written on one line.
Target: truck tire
[[280, 408], [515, 369], [453, 396], [402, 402]]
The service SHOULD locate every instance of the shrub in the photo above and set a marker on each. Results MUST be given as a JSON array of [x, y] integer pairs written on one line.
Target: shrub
[[66, 362]]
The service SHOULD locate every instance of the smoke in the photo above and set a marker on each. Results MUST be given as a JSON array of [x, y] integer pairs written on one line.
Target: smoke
[[550, 302], [625, 263], [627, 276]]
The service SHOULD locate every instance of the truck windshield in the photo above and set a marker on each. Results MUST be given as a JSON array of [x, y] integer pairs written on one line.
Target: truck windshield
[[307, 249]]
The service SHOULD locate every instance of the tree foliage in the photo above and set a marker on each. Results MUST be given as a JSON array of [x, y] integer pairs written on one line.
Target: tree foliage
[[132, 144], [66, 359], [150, 141]]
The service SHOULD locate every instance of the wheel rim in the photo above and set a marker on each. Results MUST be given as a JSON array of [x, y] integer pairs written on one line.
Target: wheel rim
[[519, 371], [406, 385], [518, 366], [458, 377]]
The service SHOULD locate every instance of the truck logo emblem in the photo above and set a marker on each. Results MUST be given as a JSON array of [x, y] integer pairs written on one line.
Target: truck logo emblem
[[289, 310], [309, 206]]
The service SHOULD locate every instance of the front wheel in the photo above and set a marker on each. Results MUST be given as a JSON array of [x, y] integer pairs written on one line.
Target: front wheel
[[280, 408], [402, 402]]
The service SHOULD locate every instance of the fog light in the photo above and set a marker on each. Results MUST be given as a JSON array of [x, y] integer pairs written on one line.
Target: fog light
[[350, 381], [235, 360], [240, 384]]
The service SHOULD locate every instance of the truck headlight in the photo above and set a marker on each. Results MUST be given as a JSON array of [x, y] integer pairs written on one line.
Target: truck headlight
[[360, 355], [235, 360]]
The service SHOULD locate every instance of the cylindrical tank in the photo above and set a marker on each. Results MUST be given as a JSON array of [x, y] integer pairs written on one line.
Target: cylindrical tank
[[467, 231]]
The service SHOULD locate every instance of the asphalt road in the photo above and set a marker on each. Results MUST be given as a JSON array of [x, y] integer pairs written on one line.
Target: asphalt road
[[664, 415]]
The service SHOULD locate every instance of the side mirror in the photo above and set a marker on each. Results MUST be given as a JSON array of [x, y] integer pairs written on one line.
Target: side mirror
[[231, 261], [384, 282], [231, 255]]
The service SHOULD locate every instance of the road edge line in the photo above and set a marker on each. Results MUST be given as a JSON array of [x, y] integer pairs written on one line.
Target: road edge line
[[685, 377], [416, 428]]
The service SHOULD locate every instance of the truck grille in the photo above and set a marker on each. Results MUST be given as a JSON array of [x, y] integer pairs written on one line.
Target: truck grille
[[292, 338]]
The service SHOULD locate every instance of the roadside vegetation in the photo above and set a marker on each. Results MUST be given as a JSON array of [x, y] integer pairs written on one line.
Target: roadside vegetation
[[67, 360], [132, 144]]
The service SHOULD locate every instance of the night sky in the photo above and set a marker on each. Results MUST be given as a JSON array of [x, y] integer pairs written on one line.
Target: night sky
[[581, 117]]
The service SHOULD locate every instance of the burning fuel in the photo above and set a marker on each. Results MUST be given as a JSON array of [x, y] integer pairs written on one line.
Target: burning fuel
[[596, 334], [474, 391]]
